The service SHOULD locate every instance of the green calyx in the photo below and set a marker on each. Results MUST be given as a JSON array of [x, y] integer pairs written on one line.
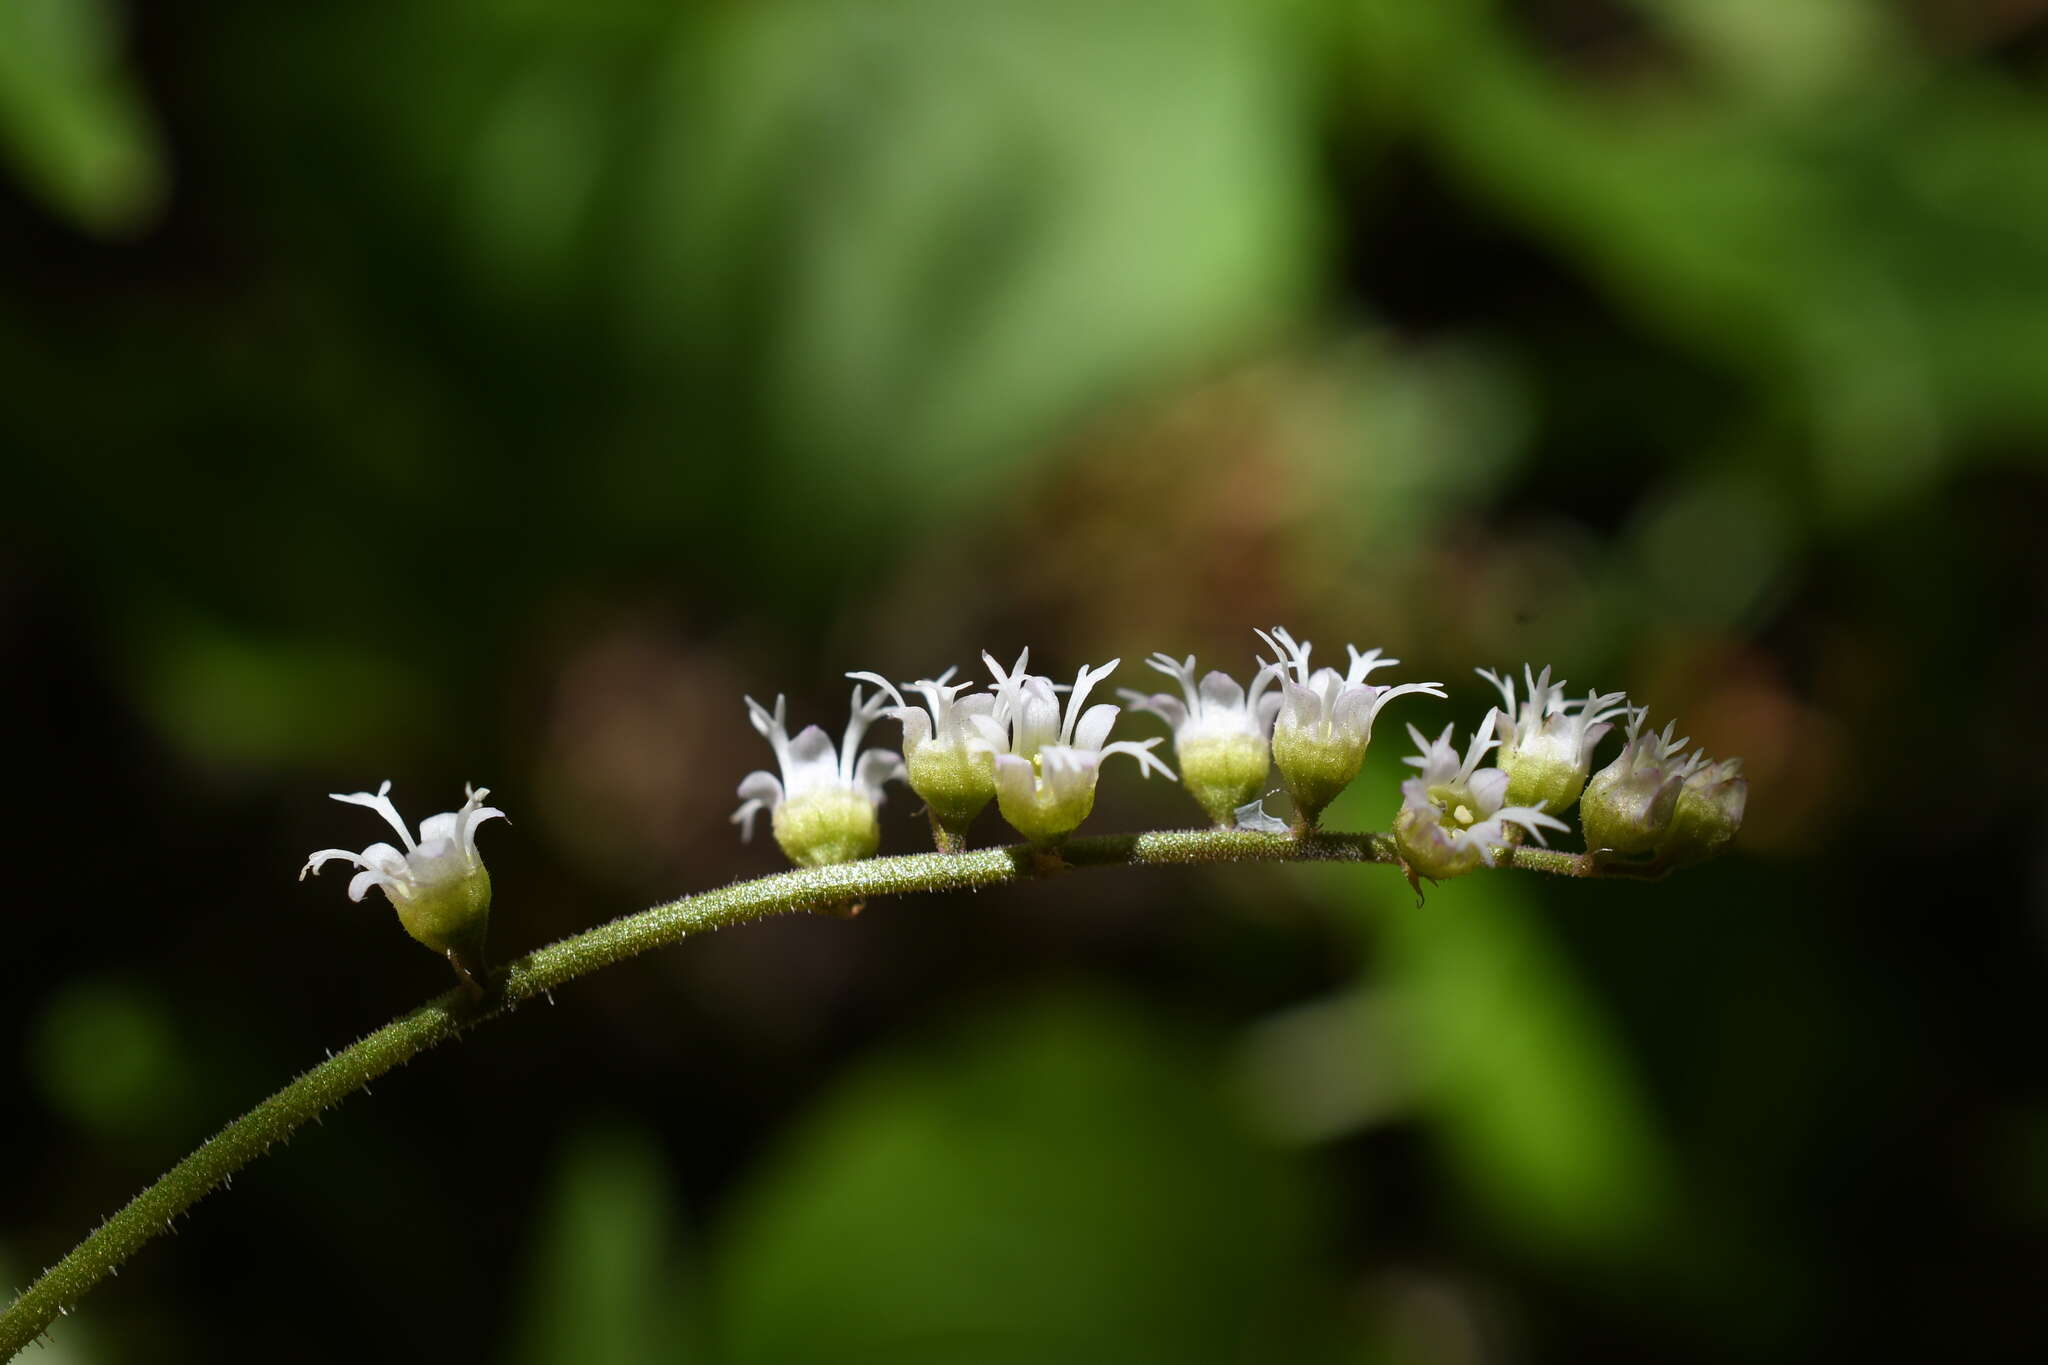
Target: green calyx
[[1224, 772], [1315, 768], [829, 825], [956, 783], [1543, 783], [1707, 815], [1628, 812], [452, 918], [1426, 851], [1044, 818]]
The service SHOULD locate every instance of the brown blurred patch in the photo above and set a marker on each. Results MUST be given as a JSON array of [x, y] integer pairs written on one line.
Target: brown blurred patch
[[643, 740], [1732, 698]]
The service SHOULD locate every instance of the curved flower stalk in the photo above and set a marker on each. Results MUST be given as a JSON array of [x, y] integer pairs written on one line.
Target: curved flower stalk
[[1046, 766], [947, 761], [822, 808], [1222, 733], [438, 885], [1629, 804], [1325, 719], [1547, 746], [1454, 815]]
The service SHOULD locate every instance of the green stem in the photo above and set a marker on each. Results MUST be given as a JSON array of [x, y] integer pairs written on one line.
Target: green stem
[[806, 889]]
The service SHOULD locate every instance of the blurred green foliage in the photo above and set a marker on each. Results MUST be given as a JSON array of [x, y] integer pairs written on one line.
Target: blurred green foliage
[[73, 123], [109, 1059], [605, 1285], [1056, 1181], [1529, 1085]]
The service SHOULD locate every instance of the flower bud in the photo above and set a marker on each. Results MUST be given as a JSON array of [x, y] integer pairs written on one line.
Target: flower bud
[[1628, 805], [1709, 812]]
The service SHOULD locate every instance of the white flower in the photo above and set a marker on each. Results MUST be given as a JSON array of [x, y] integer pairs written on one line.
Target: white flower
[[1221, 733], [948, 762], [1628, 805], [1546, 746], [437, 884], [1325, 720], [1453, 814], [822, 808], [1046, 766]]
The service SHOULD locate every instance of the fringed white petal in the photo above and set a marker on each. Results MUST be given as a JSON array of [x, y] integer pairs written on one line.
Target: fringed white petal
[[810, 762], [875, 767], [1170, 709], [1488, 787], [1220, 692], [1016, 780], [380, 803], [1067, 774], [884, 685], [1095, 726], [762, 786], [1141, 749], [744, 818], [326, 856], [360, 884], [1531, 819]]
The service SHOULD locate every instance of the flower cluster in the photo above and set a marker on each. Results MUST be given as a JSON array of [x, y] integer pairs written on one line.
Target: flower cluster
[[1038, 757]]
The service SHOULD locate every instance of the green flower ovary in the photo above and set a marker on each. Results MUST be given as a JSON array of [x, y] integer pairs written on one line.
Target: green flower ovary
[[446, 914], [955, 780], [827, 825], [1223, 772], [1316, 769]]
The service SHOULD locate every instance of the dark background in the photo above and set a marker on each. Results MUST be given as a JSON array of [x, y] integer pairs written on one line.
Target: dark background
[[496, 392]]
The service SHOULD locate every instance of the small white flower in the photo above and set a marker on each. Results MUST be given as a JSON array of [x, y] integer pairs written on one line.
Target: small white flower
[[1325, 721], [1453, 814], [437, 883], [1546, 745], [1628, 804], [1222, 733], [445, 852], [1046, 766], [947, 760], [822, 808]]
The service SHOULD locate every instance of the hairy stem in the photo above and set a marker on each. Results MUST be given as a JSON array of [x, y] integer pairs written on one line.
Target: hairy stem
[[806, 889]]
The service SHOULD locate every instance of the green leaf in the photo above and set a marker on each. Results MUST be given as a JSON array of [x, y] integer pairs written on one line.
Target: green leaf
[[604, 1285], [73, 122], [925, 234], [1052, 1183], [1515, 1068]]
